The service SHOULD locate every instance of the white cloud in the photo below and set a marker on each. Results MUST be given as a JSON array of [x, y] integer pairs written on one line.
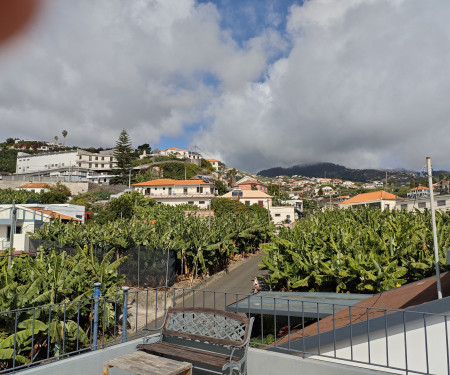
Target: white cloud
[[94, 68], [366, 84]]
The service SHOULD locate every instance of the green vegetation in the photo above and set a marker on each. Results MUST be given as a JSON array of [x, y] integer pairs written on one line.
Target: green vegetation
[[124, 155], [133, 220], [8, 159], [178, 171], [7, 196], [53, 278], [362, 250]]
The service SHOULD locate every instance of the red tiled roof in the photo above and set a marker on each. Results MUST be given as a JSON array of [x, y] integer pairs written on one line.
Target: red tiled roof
[[169, 182], [420, 188], [54, 214], [214, 160], [176, 149], [34, 185], [372, 196]]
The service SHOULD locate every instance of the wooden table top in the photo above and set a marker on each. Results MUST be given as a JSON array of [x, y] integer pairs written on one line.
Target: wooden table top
[[144, 363]]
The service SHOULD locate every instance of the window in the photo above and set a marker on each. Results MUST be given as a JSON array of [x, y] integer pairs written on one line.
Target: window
[[441, 202], [103, 158], [200, 189], [156, 188], [164, 188], [190, 202], [247, 203], [422, 205], [90, 158], [96, 158], [277, 215], [404, 206], [185, 190], [201, 202]]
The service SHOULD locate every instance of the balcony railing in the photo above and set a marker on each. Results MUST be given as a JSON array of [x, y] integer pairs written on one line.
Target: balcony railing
[[409, 341]]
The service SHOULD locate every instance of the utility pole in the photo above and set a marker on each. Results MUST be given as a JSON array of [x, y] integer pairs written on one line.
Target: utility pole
[[11, 232], [209, 215], [129, 179], [433, 223], [385, 189]]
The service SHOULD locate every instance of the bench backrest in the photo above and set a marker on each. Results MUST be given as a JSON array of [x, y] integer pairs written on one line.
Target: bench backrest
[[207, 325]]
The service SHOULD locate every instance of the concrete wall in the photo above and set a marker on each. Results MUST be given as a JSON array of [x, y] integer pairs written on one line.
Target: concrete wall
[[260, 362], [38, 162], [280, 214], [416, 359]]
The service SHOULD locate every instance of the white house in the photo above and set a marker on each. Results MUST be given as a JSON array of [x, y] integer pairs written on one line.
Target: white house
[[175, 192], [441, 202], [36, 187], [380, 199], [28, 218], [249, 197], [419, 192], [282, 214], [215, 163]]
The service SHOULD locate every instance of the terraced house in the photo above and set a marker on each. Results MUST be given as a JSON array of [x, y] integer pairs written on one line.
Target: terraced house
[[175, 192]]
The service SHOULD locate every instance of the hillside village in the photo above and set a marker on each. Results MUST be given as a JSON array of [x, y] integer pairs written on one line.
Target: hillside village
[[176, 176]]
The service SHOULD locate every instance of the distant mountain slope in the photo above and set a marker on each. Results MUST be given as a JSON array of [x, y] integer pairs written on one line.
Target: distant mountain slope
[[331, 170]]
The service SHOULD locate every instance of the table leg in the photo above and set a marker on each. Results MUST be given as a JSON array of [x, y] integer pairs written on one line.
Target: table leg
[[105, 370]]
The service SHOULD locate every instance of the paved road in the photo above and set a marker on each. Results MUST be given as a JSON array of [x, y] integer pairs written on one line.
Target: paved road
[[221, 291], [235, 284]]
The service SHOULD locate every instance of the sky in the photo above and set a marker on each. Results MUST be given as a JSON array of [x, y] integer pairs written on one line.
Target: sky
[[253, 83]]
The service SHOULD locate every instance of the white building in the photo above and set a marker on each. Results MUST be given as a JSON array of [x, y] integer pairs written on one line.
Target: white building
[[378, 199], [175, 192], [249, 197], [282, 214], [35, 187], [441, 202], [29, 217], [215, 163], [419, 192], [32, 163]]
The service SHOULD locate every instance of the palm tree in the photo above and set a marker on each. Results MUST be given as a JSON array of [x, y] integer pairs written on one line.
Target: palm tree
[[64, 134], [56, 140]]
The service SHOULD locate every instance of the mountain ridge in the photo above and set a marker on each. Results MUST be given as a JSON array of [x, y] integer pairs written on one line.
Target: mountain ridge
[[331, 170]]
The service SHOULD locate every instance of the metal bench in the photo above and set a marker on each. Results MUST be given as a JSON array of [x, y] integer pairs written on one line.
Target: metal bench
[[213, 340]]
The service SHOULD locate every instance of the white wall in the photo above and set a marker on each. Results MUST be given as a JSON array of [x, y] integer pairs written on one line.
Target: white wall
[[280, 214], [395, 344], [39, 162]]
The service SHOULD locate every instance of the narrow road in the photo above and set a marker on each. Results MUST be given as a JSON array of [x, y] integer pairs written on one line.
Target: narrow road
[[235, 285]]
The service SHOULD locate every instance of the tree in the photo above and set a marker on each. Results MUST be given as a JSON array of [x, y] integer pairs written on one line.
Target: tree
[[64, 134], [123, 154], [56, 139]]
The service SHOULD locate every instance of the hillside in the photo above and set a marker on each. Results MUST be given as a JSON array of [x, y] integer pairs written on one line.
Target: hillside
[[331, 170]]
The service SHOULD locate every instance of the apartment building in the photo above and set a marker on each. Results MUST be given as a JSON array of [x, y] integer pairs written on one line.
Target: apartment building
[[32, 163]]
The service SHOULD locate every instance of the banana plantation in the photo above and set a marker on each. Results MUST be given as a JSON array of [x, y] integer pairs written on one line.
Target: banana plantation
[[50, 294], [363, 250], [202, 244]]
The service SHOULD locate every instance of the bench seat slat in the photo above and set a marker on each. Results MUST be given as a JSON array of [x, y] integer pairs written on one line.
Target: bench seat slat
[[192, 336], [196, 355]]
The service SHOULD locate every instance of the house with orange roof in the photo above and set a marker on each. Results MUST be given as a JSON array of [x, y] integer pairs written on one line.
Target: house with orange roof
[[419, 192], [35, 187], [378, 199], [175, 192], [215, 163], [250, 183]]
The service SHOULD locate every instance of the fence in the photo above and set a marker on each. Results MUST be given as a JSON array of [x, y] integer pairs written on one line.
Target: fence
[[144, 267], [407, 341]]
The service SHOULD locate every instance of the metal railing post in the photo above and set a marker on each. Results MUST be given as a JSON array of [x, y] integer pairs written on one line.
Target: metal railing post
[[124, 313], [96, 299]]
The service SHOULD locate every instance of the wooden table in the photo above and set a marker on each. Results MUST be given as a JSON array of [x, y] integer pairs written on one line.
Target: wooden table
[[147, 364]]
